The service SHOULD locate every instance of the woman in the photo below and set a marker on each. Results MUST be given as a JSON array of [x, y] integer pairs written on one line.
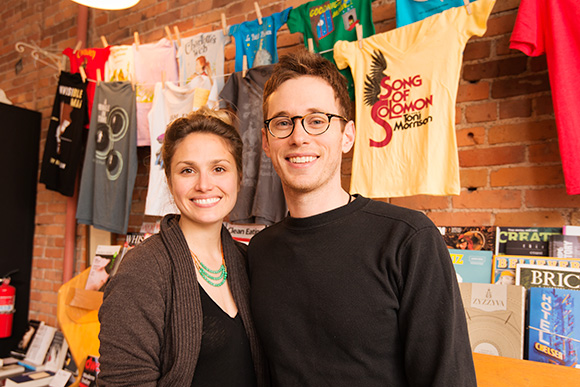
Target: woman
[[177, 313]]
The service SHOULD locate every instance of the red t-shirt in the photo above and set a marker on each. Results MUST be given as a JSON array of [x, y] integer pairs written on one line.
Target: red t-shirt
[[552, 27]]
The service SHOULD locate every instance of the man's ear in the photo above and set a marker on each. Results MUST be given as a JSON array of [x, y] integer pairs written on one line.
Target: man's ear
[[348, 136], [265, 142]]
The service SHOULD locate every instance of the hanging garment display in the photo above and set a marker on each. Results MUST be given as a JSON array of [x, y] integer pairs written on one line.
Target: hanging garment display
[[92, 59], [406, 87], [551, 27], [152, 62], [170, 102], [260, 199], [258, 41], [201, 65], [110, 163], [121, 64], [65, 141], [327, 22], [411, 11]]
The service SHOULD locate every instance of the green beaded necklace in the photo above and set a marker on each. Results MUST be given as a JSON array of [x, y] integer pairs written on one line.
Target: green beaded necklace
[[219, 276]]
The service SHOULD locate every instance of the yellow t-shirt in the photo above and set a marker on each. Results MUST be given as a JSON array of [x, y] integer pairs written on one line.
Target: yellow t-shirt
[[406, 86]]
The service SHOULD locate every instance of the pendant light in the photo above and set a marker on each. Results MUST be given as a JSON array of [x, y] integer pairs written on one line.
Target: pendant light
[[107, 4]]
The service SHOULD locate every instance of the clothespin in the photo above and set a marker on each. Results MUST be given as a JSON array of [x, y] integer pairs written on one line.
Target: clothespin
[[258, 12], [310, 45], [224, 24], [78, 46], [104, 41], [163, 77], [132, 81], [83, 73], [467, 6], [168, 33], [244, 66], [137, 42], [177, 35], [359, 34], [99, 77]]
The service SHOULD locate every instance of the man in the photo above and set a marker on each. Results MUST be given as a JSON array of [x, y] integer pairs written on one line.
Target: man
[[346, 291]]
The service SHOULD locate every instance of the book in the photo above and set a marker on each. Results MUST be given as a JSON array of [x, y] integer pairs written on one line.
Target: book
[[56, 354], [472, 265], [564, 246], [243, 232], [104, 262], [11, 370], [495, 318], [132, 239], [553, 336], [469, 238], [571, 230], [539, 276], [20, 351], [90, 372], [39, 346], [504, 266], [524, 240], [30, 379]]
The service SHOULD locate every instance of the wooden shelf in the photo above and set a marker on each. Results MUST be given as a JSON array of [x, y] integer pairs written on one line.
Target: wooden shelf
[[497, 371]]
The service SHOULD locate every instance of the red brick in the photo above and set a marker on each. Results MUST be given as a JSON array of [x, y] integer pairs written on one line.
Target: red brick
[[529, 84], [422, 202], [538, 63], [523, 132], [470, 136], [491, 156], [523, 176], [473, 177], [473, 91], [543, 105], [460, 218], [477, 50], [499, 25], [546, 152], [482, 112], [383, 12], [530, 218], [496, 68], [551, 198], [515, 108], [488, 199]]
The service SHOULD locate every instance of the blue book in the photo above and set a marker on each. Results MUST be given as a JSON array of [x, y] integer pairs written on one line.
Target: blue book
[[472, 265]]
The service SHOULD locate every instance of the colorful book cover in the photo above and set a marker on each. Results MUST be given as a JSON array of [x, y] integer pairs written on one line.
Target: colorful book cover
[[469, 238], [495, 318], [472, 265], [553, 336], [524, 240], [564, 246], [504, 266], [538, 276], [105, 262]]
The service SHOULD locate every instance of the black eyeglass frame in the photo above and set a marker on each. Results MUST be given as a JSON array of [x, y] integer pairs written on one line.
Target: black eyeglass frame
[[292, 119]]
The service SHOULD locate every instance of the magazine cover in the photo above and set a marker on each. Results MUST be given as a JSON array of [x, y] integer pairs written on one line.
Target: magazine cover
[[553, 336], [537, 276], [564, 246], [90, 372], [132, 239], [524, 240], [244, 232], [469, 238], [472, 265], [495, 318], [104, 263], [504, 266]]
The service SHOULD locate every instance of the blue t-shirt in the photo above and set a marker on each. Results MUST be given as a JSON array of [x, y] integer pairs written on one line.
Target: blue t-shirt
[[258, 41], [411, 11]]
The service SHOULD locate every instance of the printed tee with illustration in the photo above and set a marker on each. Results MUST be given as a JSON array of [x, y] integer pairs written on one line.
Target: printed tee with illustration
[[407, 82], [121, 64]]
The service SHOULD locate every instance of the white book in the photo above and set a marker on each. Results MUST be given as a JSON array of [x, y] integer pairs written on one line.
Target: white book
[[40, 344], [571, 230]]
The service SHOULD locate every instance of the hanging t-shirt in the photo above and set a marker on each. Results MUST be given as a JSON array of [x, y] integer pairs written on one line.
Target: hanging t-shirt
[[552, 27], [170, 102], [65, 141], [110, 163], [91, 59], [151, 62], [406, 86], [121, 64], [260, 199], [327, 22], [410, 11], [201, 64], [258, 41]]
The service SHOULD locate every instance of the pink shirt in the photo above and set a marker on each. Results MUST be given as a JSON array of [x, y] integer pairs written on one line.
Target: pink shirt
[[553, 27]]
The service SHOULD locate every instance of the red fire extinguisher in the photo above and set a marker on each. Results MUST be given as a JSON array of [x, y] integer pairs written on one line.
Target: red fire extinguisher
[[7, 299]]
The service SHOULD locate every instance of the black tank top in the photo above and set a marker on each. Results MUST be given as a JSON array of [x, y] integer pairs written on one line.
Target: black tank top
[[225, 358]]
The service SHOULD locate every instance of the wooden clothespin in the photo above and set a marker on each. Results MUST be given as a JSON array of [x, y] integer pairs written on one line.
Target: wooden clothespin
[[177, 35], [168, 33], [310, 45], [83, 73], [244, 65], [104, 41], [78, 46], [99, 77], [137, 42], [258, 12], [467, 6], [359, 34], [224, 24]]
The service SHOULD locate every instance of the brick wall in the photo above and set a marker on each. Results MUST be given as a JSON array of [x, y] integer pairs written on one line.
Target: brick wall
[[511, 172]]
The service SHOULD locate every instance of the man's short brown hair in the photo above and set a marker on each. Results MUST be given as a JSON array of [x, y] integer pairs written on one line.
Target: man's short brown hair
[[304, 63]]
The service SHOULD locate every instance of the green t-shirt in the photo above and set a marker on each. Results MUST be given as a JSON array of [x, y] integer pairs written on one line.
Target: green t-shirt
[[327, 22]]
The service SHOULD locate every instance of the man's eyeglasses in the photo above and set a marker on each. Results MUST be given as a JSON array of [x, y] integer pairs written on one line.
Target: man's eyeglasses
[[313, 123]]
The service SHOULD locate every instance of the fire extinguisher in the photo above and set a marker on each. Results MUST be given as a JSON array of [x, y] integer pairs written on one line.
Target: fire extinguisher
[[7, 300]]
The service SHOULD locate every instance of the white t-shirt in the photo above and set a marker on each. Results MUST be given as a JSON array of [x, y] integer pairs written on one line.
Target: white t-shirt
[[120, 65]]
